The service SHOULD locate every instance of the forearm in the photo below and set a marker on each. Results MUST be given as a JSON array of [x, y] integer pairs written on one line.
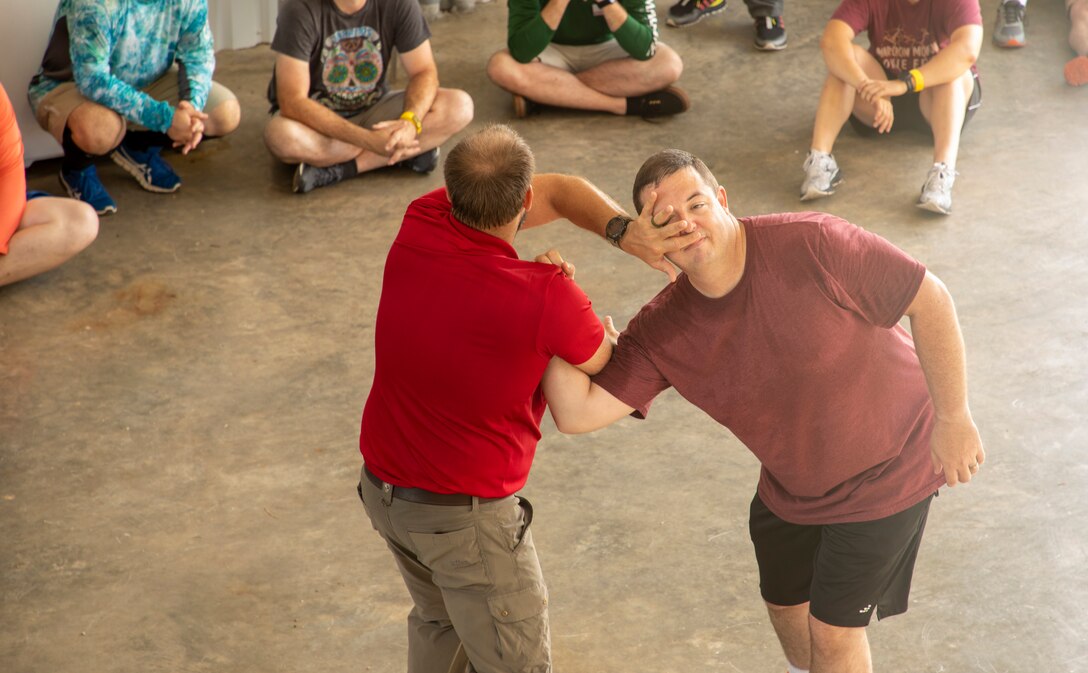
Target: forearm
[[530, 29], [324, 121], [576, 403], [838, 53], [573, 198], [196, 59], [634, 27], [939, 345], [420, 93], [948, 65]]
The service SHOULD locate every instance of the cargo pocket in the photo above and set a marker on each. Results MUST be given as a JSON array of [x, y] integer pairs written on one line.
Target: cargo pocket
[[521, 623], [454, 558]]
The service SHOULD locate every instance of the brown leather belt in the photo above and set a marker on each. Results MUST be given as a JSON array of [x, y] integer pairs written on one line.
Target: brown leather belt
[[423, 497]]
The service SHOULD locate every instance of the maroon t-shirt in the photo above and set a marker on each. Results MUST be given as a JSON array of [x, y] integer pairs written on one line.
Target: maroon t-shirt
[[804, 362], [464, 332], [903, 36]]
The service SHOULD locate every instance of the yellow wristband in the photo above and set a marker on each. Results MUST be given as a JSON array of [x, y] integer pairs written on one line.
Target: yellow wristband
[[919, 81], [411, 116]]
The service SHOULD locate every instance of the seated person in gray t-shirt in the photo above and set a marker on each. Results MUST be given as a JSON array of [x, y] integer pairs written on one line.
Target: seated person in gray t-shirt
[[332, 113]]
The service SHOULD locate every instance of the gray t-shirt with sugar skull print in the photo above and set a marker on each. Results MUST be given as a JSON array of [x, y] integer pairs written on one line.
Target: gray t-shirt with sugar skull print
[[347, 53]]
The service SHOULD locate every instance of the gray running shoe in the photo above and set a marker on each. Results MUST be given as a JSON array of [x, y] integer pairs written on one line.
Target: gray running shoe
[[308, 178], [937, 191], [1009, 27], [822, 175]]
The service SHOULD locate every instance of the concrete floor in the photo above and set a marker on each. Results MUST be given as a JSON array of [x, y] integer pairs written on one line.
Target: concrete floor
[[179, 404]]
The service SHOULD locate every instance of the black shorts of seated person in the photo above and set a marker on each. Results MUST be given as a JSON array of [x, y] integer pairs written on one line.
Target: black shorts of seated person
[[908, 113]]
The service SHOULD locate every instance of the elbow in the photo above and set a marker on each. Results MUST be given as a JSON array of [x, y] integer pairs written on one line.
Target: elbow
[[571, 426]]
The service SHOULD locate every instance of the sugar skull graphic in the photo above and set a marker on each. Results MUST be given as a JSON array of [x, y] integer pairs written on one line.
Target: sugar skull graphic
[[352, 67]]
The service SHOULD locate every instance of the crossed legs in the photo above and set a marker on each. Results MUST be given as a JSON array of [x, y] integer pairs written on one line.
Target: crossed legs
[[293, 142], [604, 87]]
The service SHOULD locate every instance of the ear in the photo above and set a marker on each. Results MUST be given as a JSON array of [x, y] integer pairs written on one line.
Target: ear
[[723, 198], [527, 204]]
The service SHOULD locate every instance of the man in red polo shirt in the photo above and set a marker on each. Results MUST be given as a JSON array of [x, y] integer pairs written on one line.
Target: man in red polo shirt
[[464, 332]]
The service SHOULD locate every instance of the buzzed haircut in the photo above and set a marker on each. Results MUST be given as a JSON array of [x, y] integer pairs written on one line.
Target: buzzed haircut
[[487, 177], [662, 165]]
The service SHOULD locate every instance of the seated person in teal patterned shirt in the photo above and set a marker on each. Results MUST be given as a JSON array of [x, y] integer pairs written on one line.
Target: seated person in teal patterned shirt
[[589, 55], [333, 114], [127, 78]]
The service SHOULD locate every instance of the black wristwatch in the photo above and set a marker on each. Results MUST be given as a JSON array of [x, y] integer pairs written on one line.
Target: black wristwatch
[[906, 77], [616, 228]]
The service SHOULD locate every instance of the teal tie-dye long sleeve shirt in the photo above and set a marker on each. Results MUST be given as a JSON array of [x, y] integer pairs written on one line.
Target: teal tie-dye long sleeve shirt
[[114, 48]]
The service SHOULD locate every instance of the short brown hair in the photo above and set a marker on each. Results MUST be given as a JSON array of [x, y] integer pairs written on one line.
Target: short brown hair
[[488, 175], [662, 165]]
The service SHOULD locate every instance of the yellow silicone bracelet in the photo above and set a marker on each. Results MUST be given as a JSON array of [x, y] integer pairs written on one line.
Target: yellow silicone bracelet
[[919, 81], [411, 116]]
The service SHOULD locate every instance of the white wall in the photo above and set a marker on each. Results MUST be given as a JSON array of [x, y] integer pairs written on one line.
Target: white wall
[[24, 31]]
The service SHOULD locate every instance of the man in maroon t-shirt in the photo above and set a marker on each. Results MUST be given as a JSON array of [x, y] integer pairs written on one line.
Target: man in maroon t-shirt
[[923, 47], [784, 328], [464, 332]]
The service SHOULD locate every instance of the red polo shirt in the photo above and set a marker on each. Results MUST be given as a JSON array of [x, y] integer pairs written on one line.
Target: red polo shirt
[[464, 332]]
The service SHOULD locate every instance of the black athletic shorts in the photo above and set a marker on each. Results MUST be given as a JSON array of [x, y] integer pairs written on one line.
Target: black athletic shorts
[[846, 571], [908, 113]]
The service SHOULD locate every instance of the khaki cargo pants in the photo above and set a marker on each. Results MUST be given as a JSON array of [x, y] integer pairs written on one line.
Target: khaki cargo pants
[[474, 577]]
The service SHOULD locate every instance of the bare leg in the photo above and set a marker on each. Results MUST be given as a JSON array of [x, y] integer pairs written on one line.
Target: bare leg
[[944, 107], [838, 100], [293, 142], [603, 88], [1078, 31], [51, 232], [223, 119], [837, 649], [791, 625], [96, 129]]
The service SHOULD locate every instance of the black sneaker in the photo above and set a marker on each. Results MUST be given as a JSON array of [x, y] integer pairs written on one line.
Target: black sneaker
[[308, 178], [770, 33], [687, 12], [523, 107], [669, 101], [421, 163]]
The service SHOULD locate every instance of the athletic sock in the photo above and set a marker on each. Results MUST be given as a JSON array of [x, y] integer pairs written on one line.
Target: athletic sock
[[634, 105], [793, 669], [141, 141], [350, 170], [75, 159]]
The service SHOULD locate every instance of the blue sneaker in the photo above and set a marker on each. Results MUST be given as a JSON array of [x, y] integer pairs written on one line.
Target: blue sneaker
[[85, 186], [149, 169]]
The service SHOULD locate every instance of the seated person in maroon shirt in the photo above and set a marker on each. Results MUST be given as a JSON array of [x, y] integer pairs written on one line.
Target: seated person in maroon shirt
[[918, 72], [784, 329], [464, 332]]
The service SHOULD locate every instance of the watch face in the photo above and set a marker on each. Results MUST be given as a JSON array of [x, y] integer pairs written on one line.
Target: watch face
[[616, 227]]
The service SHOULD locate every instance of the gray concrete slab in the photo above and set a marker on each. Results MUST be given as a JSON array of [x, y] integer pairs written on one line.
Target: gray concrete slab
[[179, 404]]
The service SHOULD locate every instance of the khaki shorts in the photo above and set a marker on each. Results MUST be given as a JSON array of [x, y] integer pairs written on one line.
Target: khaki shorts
[[55, 107], [576, 58], [390, 106]]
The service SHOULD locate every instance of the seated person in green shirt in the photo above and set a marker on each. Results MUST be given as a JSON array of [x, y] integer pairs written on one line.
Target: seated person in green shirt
[[589, 55]]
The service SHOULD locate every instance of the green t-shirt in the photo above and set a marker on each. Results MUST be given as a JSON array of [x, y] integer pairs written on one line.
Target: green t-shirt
[[582, 23]]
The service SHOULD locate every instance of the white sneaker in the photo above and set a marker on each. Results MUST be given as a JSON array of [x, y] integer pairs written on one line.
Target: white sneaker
[[822, 175], [937, 191]]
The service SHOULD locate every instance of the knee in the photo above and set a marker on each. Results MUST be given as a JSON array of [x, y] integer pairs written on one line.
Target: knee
[[458, 110], [503, 69], [225, 118], [96, 129], [1078, 12], [670, 64], [80, 227], [282, 137]]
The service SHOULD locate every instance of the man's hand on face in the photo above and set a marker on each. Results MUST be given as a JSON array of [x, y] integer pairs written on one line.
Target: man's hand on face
[[652, 235]]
